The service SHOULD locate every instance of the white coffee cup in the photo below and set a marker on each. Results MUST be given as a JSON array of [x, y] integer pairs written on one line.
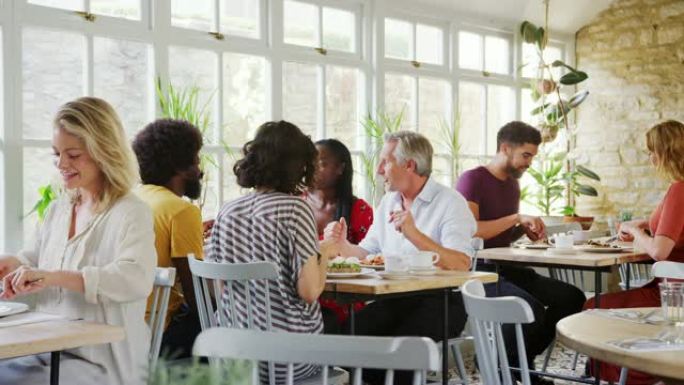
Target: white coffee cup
[[396, 263], [423, 259], [563, 241]]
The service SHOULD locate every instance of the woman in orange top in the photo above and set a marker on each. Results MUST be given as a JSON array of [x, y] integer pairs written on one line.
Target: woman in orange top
[[665, 143]]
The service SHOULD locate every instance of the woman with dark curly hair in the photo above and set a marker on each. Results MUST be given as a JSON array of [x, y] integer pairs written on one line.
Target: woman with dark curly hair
[[168, 156], [274, 224]]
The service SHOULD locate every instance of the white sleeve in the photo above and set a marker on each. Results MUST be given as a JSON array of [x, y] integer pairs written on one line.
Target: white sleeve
[[459, 226], [372, 242], [130, 276]]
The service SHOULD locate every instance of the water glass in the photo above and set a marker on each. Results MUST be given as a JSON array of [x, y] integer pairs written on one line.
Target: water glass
[[672, 301]]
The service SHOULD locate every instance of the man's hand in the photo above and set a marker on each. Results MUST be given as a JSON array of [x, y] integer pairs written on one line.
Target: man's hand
[[533, 227], [403, 222], [206, 228]]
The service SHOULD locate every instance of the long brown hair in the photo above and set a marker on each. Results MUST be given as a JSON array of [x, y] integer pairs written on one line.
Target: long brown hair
[[666, 141]]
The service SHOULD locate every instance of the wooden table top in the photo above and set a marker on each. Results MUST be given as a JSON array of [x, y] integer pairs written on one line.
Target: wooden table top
[[587, 333], [374, 285], [50, 336], [549, 257]]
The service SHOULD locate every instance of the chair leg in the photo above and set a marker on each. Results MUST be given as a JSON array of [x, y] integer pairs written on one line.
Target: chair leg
[[574, 361], [458, 357], [547, 357], [623, 376]]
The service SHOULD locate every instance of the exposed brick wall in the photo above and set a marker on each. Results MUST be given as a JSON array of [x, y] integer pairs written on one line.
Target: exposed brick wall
[[634, 55]]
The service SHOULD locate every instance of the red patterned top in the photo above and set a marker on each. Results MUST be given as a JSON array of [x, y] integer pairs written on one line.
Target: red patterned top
[[360, 218]]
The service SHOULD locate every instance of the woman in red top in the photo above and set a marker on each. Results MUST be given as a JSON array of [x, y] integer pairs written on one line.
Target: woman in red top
[[665, 143], [331, 199]]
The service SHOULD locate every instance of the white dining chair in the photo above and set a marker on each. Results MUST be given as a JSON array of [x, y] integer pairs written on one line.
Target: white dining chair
[[665, 270], [245, 280], [164, 279], [417, 354], [476, 244], [486, 317]]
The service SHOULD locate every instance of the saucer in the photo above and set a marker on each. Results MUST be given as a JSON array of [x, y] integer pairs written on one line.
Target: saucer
[[422, 270], [395, 274]]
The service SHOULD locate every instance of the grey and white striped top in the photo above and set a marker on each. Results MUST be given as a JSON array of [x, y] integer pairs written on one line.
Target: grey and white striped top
[[278, 228]]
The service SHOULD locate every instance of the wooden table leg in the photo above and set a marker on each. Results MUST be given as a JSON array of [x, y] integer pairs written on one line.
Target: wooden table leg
[[54, 368]]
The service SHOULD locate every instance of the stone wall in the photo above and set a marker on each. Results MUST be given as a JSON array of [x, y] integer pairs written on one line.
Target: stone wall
[[634, 55]]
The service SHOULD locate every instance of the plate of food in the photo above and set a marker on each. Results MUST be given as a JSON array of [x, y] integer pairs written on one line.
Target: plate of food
[[341, 267], [594, 246], [534, 246], [9, 308], [374, 261]]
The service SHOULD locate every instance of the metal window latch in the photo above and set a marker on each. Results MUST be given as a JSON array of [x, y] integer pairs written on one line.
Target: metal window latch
[[321, 50], [217, 35], [87, 16], [415, 63]]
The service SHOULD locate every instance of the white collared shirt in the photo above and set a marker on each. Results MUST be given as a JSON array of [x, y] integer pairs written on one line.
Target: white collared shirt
[[439, 212]]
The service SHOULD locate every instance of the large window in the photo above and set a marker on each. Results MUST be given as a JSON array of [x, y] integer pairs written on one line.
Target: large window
[[316, 63]]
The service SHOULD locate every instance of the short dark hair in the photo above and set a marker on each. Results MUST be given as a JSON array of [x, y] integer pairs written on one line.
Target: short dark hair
[[165, 147], [280, 157], [517, 133]]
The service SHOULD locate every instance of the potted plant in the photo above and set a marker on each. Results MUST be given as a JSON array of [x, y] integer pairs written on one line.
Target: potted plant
[[556, 174], [195, 372], [375, 129]]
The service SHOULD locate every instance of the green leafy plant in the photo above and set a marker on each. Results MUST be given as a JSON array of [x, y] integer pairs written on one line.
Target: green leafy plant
[[184, 104], [223, 372], [449, 135], [556, 175], [47, 194], [375, 129]]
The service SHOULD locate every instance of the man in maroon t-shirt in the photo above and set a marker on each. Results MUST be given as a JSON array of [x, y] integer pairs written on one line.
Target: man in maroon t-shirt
[[493, 195]]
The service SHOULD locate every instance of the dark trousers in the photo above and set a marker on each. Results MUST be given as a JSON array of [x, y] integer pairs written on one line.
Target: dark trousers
[[550, 300], [180, 334], [417, 315]]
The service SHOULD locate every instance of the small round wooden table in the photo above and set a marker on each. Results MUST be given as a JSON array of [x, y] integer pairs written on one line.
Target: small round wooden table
[[588, 333]]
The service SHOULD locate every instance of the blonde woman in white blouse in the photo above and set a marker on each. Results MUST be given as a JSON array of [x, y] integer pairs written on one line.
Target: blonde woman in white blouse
[[94, 257]]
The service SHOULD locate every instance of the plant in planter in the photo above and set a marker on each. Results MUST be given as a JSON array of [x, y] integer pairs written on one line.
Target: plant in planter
[[557, 174], [194, 372], [450, 140], [375, 129]]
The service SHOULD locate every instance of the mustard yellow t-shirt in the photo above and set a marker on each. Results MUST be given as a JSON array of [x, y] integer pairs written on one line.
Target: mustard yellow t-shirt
[[178, 232]]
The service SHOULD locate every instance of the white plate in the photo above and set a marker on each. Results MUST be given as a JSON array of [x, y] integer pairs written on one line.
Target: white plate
[[350, 275], [8, 308], [396, 275], [423, 270], [595, 249], [533, 246]]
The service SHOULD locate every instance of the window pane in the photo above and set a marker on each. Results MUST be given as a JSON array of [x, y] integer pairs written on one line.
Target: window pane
[[300, 83], [400, 98], [339, 30], [190, 68], [500, 110], [231, 190], [122, 77], [49, 80], [530, 60], [359, 179], [39, 170], [469, 50], [244, 97], [209, 199], [127, 9], [300, 23], [497, 55], [526, 106], [429, 44], [433, 109], [398, 39], [341, 103], [441, 169], [552, 54], [240, 17], [471, 97], [72, 5], [195, 14]]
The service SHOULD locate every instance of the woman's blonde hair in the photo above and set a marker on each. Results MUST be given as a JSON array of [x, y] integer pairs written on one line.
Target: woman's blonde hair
[[666, 141], [95, 122]]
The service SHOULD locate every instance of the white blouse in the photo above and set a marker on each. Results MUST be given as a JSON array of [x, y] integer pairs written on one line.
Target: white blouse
[[116, 254]]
